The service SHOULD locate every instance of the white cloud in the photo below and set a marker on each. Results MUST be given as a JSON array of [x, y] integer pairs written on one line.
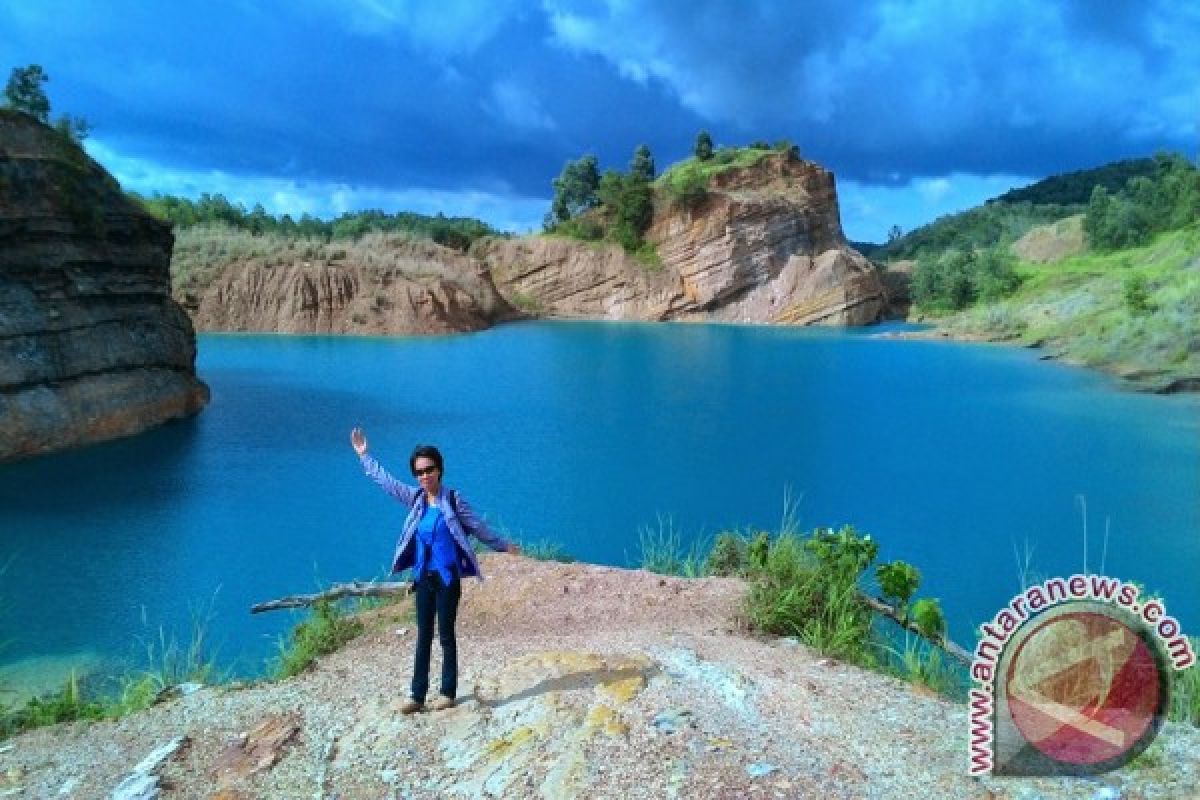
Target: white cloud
[[932, 190], [504, 211], [517, 106]]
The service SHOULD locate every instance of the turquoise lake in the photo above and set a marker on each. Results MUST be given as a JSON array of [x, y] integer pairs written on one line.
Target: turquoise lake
[[950, 455]]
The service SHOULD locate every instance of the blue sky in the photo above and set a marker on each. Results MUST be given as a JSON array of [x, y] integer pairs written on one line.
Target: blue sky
[[471, 108]]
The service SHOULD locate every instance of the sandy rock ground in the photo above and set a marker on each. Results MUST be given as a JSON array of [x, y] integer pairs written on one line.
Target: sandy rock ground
[[575, 681]]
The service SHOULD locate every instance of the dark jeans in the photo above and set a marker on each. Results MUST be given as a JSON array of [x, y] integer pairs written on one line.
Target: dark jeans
[[436, 598]]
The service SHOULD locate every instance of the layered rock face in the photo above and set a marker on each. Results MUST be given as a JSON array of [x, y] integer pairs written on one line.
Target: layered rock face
[[766, 245], [423, 288], [92, 346]]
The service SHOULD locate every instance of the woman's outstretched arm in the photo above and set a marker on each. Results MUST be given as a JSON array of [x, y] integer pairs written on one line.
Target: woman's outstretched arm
[[474, 524], [374, 470]]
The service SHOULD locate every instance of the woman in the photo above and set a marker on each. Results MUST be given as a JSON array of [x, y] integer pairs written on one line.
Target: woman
[[433, 543]]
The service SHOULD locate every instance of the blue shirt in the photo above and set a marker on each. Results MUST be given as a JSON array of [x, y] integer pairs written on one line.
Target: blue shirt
[[436, 549]]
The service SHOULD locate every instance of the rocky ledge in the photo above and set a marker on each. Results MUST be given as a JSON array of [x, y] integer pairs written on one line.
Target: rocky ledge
[[765, 245], [575, 681], [91, 344]]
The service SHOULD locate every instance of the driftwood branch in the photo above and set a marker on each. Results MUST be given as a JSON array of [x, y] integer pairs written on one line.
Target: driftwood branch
[[336, 592], [893, 613]]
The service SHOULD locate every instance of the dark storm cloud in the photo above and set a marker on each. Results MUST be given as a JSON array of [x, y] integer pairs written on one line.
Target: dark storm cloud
[[455, 96], [903, 88]]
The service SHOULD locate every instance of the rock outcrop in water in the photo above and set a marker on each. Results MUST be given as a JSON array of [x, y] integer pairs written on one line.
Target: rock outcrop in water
[[91, 344], [766, 245]]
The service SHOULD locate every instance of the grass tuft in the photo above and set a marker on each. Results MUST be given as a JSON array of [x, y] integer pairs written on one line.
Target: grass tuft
[[662, 551], [327, 629]]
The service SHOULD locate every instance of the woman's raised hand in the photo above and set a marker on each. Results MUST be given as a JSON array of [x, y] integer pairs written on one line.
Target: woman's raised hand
[[358, 441]]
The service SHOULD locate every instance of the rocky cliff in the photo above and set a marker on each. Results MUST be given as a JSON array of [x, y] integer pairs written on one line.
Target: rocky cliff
[[91, 344], [380, 284], [765, 245]]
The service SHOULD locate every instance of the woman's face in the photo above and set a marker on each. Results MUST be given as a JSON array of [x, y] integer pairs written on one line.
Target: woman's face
[[428, 475]]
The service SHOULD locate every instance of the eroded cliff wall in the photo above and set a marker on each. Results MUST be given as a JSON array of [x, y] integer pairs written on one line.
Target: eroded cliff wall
[[92, 346], [381, 284], [765, 245]]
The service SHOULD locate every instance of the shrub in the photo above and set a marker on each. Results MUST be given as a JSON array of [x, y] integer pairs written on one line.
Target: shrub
[[687, 189], [928, 617], [759, 549], [1137, 298], [322, 633], [808, 588], [728, 555]]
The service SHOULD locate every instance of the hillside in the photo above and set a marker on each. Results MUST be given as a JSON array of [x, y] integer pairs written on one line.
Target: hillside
[[1009, 216], [1115, 285], [1133, 312]]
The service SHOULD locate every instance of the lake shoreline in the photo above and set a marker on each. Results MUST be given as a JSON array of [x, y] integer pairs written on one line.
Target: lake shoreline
[[1129, 378]]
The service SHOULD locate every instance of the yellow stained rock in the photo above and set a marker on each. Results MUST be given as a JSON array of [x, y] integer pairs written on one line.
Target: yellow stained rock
[[604, 718]]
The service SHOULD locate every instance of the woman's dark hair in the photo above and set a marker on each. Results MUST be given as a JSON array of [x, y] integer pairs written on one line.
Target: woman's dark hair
[[425, 451]]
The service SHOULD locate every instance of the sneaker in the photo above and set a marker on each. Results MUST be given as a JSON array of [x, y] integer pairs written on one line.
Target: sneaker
[[442, 703], [411, 706]]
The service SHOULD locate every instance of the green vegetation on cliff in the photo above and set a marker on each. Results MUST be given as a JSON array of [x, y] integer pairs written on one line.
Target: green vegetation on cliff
[[619, 206], [24, 94]]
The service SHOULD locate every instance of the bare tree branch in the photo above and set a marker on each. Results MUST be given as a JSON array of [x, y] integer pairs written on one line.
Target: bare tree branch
[[892, 613], [336, 592]]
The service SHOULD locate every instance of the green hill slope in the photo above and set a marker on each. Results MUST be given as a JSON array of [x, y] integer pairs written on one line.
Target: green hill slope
[[1124, 296]]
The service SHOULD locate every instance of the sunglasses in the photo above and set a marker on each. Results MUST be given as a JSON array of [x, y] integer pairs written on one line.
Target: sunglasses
[[423, 471]]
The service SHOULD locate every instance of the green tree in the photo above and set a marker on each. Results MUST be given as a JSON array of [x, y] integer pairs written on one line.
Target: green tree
[[898, 580], [575, 188], [24, 92], [994, 275], [642, 166], [630, 202], [704, 146]]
